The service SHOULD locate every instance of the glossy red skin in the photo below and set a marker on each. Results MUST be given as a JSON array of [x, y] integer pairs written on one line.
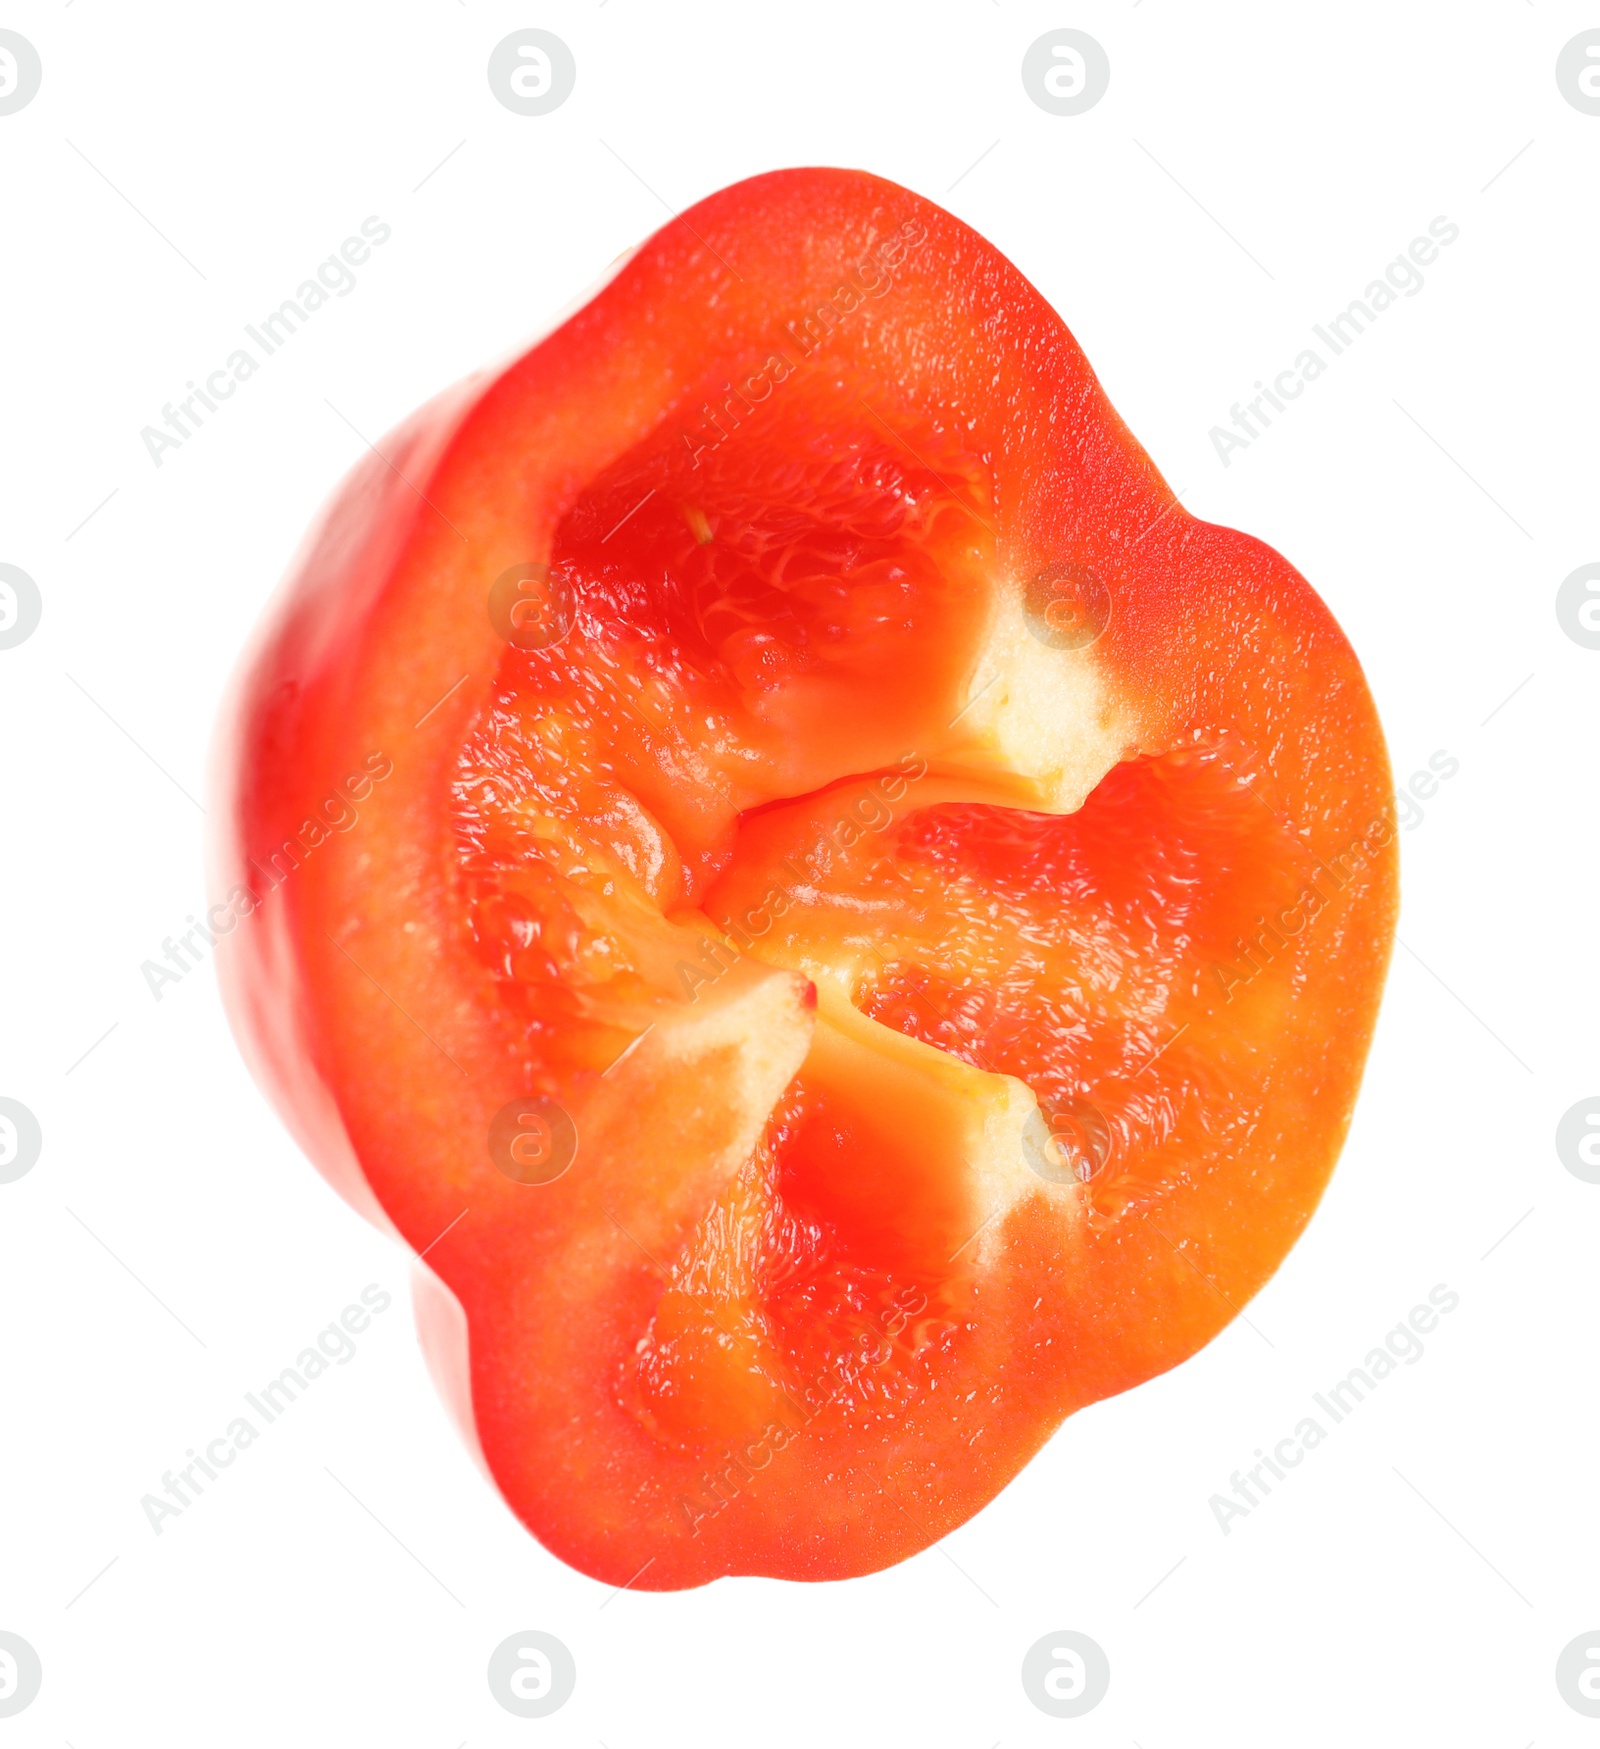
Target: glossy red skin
[[378, 1037]]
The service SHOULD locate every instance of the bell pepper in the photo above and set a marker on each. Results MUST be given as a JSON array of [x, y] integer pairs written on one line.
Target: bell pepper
[[838, 921]]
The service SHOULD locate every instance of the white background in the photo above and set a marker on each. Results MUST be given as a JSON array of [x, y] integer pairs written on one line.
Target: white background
[[345, 1582]]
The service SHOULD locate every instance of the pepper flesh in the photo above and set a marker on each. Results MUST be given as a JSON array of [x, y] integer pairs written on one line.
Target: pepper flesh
[[947, 887]]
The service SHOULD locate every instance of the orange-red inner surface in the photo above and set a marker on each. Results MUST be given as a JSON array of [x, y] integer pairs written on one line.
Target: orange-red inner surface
[[780, 617]]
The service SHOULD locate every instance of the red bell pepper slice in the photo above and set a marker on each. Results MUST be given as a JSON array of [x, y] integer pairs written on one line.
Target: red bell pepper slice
[[840, 920]]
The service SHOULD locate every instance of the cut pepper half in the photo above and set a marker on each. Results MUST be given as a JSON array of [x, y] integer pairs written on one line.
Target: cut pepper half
[[857, 920]]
